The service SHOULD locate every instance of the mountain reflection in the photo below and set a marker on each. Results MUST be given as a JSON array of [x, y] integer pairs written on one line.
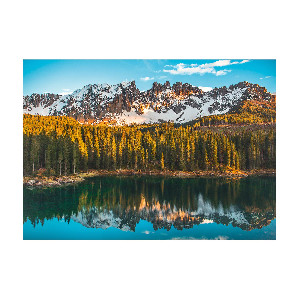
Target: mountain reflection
[[121, 202]]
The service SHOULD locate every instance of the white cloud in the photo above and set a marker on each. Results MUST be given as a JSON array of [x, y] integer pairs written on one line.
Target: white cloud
[[221, 63], [66, 92], [265, 77], [244, 61], [222, 72], [205, 88], [162, 77], [147, 78], [183, 69]]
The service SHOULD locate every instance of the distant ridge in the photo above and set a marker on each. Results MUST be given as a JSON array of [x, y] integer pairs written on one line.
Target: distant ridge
[[124, 103]]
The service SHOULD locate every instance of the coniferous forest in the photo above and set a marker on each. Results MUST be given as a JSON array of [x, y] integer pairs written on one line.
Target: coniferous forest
[[62, 146]]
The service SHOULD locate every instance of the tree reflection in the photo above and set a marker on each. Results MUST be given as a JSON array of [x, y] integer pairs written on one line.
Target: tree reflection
[[122, 202]]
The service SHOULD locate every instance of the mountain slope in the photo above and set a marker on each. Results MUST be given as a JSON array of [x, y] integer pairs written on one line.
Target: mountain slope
[[124, 103]]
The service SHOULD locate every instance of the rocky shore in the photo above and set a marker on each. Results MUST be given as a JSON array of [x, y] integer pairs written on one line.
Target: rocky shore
[[52, 181]]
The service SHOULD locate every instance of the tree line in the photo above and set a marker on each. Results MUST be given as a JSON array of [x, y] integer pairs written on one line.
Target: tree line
[[61, 146]]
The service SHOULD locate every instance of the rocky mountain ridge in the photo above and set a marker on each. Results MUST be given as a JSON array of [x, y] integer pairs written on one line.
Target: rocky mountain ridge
[[124, 103]]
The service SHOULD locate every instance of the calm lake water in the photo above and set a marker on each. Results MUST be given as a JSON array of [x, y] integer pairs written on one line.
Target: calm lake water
[[153, 208]]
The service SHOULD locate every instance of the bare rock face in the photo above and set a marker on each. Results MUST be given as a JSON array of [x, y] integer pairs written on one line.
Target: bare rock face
[[125, 103]]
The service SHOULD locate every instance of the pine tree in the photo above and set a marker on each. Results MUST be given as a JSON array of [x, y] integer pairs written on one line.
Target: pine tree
[[162, 162], [113, 154], [75, 157], [62, 145], [66, 154], [35, 146]]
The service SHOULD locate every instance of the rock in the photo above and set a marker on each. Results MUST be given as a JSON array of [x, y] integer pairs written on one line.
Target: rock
[[100, 102]]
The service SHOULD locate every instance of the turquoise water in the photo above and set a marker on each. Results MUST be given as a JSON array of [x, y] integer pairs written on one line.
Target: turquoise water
[[112, 207]]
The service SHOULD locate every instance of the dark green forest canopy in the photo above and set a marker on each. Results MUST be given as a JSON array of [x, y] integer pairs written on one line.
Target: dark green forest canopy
[[61, 145]]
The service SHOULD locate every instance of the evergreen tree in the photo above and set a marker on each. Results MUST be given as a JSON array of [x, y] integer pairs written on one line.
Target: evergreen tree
[[62, 145], [162, 162]]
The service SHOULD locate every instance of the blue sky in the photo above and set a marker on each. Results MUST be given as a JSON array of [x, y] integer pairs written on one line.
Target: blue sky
[[65, 76]]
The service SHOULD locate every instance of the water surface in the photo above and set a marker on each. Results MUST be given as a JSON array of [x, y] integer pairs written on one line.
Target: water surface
[[153, 208]]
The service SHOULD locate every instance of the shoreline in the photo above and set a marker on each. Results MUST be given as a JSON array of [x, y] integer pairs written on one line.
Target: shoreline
[[54, 181]]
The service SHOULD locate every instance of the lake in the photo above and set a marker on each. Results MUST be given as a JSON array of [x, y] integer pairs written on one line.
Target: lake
[[153, 208]]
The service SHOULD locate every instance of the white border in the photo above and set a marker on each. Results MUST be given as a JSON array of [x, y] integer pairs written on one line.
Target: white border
[[141, 269]]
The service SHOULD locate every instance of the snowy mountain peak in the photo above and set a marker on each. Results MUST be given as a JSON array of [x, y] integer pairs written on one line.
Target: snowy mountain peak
[[124, 103]]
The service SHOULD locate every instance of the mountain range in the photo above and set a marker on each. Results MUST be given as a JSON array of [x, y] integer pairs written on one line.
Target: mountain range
[[124, 103]]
